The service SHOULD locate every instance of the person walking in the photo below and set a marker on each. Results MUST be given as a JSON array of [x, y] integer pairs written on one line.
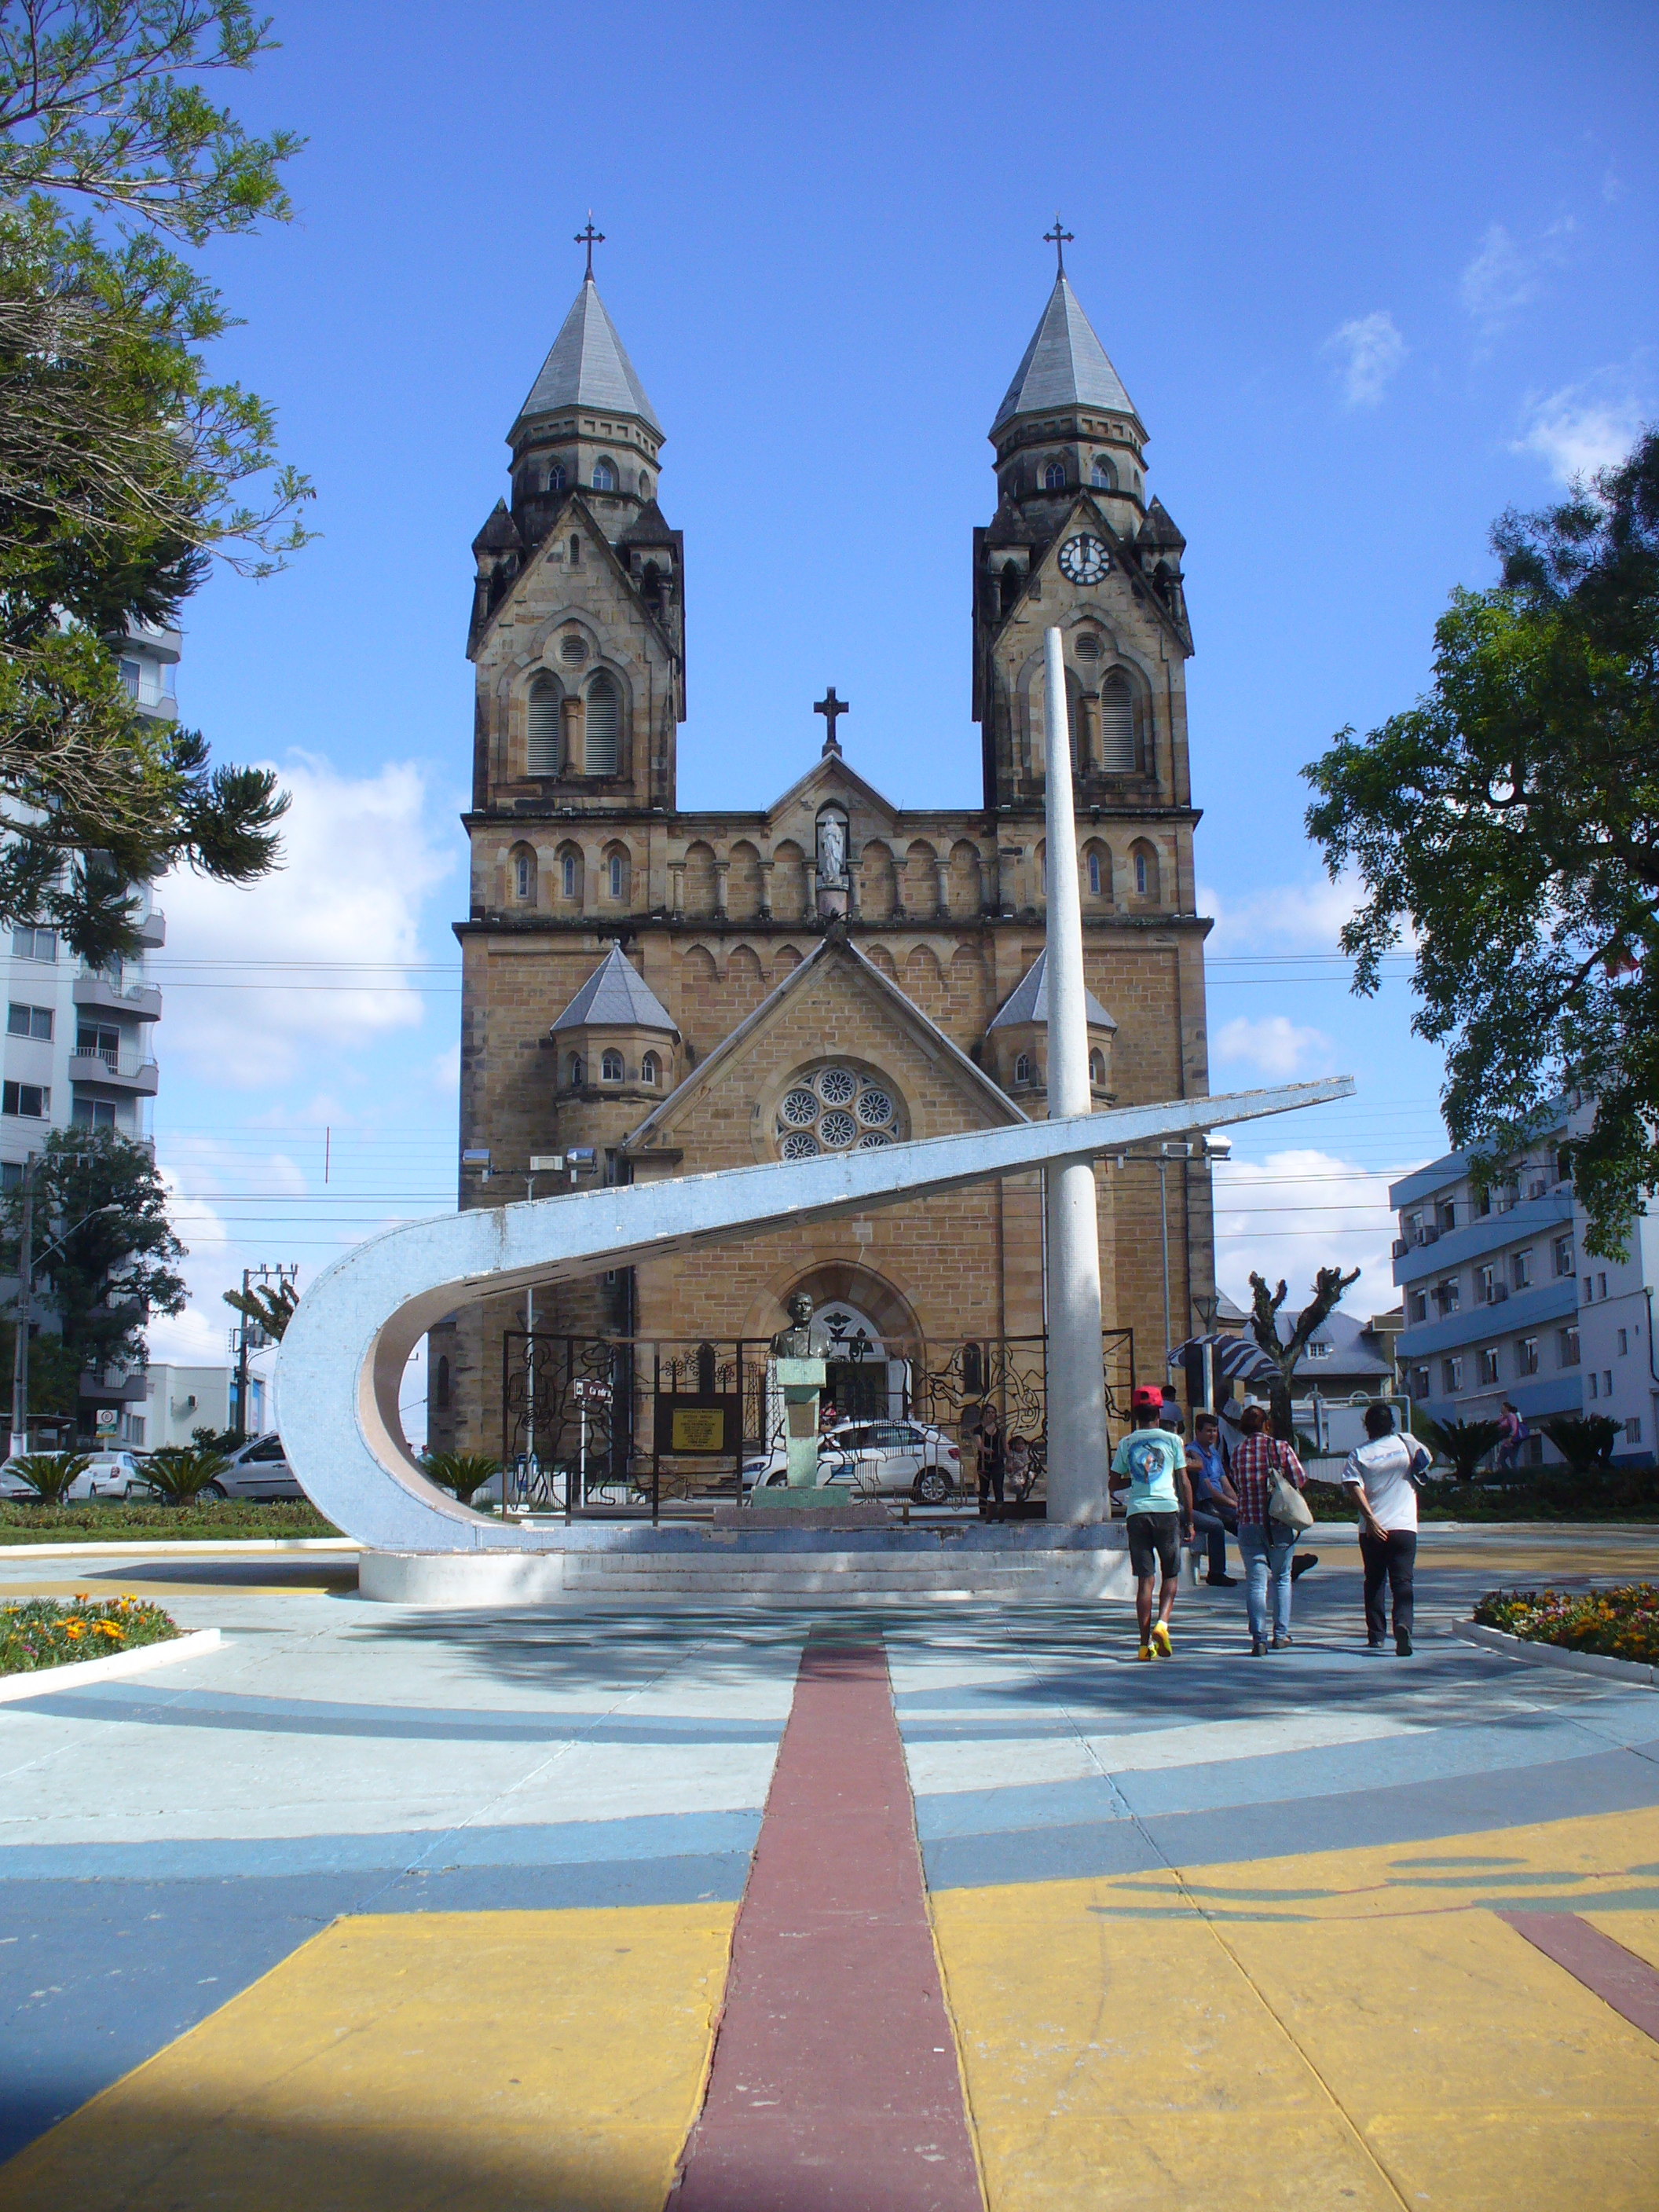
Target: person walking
[[1150, 1466], [1215, 1502], [1260, 1459], [1383, 1473], [993, 1462], [1509, 1437]]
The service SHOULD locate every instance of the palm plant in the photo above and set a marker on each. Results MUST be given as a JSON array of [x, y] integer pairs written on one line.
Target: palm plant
[[49, 1475], [1584, 1444], [1465, 1443], [465, 1472], [180, 1473]]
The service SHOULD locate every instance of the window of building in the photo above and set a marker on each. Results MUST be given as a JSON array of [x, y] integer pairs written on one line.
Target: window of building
[[1445, 1216], [1117, 725], [1022, 1068], [1594, 1386], [1526, 1355], [1602, 1287], [599, 746], [1094, 875], [1007, 586], [1564, 1167], [1589, 1298], [1521, 1270], [1489, 1362], [545, 730], [1562, 1254], [1633, 1430], [618, 876], [650, 1069], [1317, 1349], [11, 1174], [1097, 1070], [1566, 1347], [32, 1101], [103, 1038], [1422, 1390], [524, 875], [1451, 1374], [568, 874], [604, 477], [131, 672], [1483, 1205], [644, 485], [610, 1067], [1448, 1296], [31, 943], [29, 1022], [1484, 1278], [94, 1113], [575, 551], [1419, 1305], [1054, 476], [1104, 475], [574, 1070], [1143, 873], [1606, 1382], [554, 482]]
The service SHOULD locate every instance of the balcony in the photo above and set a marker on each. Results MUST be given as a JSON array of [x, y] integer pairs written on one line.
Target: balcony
[[139, 1079], [132, 1389], [153, 929], [139, 1001]]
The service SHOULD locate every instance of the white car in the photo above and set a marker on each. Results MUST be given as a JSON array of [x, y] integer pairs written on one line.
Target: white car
[[876, 1459], [89, 1483], [112, 1474]]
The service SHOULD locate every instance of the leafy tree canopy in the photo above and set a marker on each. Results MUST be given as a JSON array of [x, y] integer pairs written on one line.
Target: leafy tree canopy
[[123, 467], [1510, 820], [101, 1194]]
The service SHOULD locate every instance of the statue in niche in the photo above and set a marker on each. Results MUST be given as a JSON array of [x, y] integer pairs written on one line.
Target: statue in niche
[[795, 1342], [832, 848]]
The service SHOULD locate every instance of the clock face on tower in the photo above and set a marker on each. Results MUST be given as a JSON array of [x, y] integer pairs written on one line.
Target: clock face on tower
[[1084, 560]]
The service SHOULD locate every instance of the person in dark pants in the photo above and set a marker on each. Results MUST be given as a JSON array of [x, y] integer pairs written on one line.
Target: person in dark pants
[[992, 1463], [1215, 1502], [1383, 1473]]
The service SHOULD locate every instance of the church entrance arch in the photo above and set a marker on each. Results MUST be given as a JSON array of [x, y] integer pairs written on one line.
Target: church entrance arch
[[869, 1336]]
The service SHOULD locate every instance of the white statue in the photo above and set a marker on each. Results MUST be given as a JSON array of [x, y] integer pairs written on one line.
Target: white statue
[[832, 848]]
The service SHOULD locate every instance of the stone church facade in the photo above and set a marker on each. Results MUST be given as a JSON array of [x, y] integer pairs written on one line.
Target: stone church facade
[[649, 991]]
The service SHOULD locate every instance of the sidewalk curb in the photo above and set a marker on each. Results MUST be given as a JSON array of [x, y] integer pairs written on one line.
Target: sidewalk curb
[[1635, 1671], [41, 1680], [200, 1547]]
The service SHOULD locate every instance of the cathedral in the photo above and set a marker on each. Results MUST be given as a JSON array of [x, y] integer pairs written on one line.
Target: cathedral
[[649, 991]]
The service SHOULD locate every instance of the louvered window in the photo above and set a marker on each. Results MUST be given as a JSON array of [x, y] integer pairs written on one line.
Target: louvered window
[[543, 750], [602, 721], [1117, 725]]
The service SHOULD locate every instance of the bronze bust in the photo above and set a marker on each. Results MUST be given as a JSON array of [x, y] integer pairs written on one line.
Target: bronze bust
[[795, 1342]]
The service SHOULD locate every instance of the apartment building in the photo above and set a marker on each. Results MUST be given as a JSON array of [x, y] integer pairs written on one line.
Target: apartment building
[[1500, 1300], [79, 1045]]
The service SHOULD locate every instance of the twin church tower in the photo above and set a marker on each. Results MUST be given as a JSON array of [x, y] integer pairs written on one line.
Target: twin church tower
[[652, 991]]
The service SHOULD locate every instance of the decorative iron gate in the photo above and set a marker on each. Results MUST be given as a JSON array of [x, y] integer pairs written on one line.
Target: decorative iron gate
[[1011, 1373]]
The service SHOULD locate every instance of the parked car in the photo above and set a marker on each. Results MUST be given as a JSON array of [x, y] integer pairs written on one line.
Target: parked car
[[258, 1469], [112, 1475], [15, 1491], [876, 1459]]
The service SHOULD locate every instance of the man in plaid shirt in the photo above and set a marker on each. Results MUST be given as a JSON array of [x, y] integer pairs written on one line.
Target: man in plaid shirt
[[1266, 1544]]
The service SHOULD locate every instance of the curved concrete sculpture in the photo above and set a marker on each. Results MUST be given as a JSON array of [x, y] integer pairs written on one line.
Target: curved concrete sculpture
[[342, 1362]]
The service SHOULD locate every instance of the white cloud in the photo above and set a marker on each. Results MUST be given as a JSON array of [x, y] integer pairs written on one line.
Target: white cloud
[[1369, 351], [1504, 276], [1305, 917], [446, 1073], [360, 859], [1274, 1046], [1300, 1209], [1584, 427]]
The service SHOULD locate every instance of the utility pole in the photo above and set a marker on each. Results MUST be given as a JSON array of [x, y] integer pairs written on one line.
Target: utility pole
[[20, 1351], [251, 1330]]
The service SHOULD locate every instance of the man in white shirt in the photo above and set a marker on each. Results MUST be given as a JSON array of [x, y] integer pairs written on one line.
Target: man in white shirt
[[1383, 1473]]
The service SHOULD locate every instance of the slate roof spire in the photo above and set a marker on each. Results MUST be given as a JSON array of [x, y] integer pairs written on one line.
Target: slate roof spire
[[1065, 366], [616, 996], [1028, 1002], [588, 367]]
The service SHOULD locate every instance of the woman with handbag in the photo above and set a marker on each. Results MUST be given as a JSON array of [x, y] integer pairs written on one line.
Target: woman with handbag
[[1269, 1481]]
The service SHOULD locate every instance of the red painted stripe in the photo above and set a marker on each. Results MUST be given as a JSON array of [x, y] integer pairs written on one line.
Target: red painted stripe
[[835, 2085], [1617, 1976]]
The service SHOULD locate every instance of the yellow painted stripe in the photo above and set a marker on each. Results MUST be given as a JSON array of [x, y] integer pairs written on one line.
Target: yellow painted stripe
[[306, 1583], [1355, 2028], [475, 2062]]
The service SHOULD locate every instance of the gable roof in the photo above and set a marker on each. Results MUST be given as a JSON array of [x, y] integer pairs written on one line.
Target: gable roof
[[1028, 1001], [588, 367], [826, 949], [616, 996], [1064, 365]]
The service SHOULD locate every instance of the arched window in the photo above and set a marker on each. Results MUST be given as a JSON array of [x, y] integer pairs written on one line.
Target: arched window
[[1117, 725], [1097, 1070], [604, 477], [555, 475], [1104, 477], [1008, 586], [1023, 1068], [524, 875], [644, 485], [610, 1067], [617, 874], [651, 585], [576, 552], [542, 747], [599, 748], [574, 1071], [442, 1388], [1042, 871], [1146, 873], [1054, 476], [1094, 874], [567, 875], [650, 1069]]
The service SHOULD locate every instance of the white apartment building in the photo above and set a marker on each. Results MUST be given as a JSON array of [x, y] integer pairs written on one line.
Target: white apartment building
[[1501, 1301], [182, 1400], [78, 1041]]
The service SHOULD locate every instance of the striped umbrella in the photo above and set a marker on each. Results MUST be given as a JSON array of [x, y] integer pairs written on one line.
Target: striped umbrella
[[1234, 1358]]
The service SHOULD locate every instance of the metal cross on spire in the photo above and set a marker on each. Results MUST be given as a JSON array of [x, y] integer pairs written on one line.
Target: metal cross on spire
[[831, 708], [590, 238], [1059, 240]]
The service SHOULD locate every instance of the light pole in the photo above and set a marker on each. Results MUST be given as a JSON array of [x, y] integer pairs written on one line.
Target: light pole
[[263, 1273], [1165, 1154]]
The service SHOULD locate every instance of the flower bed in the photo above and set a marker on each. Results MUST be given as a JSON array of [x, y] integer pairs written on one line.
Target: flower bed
[[1617, 1624], [110, 1520], [51, 1631]]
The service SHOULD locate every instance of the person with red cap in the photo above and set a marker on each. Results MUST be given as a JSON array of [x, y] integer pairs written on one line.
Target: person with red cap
[[1152, 1466]]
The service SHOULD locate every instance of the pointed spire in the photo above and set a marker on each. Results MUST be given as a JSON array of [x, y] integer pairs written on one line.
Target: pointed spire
[[1028, 1002], [1064, 365], [588, 367], [616, 996]]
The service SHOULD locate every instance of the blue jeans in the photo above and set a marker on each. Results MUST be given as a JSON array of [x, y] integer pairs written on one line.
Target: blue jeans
[[1267, 1556]]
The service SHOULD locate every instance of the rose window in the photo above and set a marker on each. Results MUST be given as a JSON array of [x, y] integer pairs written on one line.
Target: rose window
[[836, 1108]]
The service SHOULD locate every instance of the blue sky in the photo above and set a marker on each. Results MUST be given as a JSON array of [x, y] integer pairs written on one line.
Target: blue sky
[[1371, 275]]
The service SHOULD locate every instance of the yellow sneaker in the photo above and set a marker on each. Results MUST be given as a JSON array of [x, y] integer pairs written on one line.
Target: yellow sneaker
[[1144, 1652], [1161, 1640]]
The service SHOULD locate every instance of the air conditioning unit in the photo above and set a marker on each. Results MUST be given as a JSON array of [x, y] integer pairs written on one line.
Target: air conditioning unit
[[1537, 1189], [1428, 1235], [1400, 1247]]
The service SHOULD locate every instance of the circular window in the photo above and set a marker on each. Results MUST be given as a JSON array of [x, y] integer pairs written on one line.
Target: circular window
[[836, 1108], [572, 650], [1088, 647]]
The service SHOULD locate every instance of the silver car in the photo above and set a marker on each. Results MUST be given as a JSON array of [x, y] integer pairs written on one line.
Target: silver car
[[258, 1469]]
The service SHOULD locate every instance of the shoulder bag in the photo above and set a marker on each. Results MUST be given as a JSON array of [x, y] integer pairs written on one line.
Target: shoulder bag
[[1285, 1504]]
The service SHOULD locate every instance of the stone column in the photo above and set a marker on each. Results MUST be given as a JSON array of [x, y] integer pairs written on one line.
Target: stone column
[[811, 869], [854, 858], [766, 868], [676, 887], [722, 869], [942, 869], [1076, 1402]]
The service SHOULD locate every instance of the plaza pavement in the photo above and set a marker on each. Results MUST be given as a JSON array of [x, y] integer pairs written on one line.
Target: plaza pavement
[[371, 1907]]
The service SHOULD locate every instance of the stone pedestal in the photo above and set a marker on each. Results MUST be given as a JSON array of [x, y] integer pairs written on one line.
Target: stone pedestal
[[800, 1382]]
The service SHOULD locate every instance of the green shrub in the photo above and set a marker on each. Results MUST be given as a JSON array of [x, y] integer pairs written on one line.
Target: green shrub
[[50, 1631], [49, 1475], [463, 1473], [113, 1520], [179, 1473], [1583, 1443], [1465, 1443]]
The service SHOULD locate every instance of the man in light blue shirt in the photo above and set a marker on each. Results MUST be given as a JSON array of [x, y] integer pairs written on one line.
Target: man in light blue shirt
[[1152, 1466]]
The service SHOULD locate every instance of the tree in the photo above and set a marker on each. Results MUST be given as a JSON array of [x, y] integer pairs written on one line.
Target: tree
[[121, 464], [114, 1267], [1511, 819], [1586, 1444], [1463, 1443], [1329, 1284], [268, 1308]]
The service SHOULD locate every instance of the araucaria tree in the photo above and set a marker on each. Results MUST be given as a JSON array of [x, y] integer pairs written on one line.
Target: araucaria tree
[[1329, 1284], [123, 467], [1511, 819], [116, 1263]]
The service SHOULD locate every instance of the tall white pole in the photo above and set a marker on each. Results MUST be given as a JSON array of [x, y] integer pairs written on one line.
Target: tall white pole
[[1077, 1398]]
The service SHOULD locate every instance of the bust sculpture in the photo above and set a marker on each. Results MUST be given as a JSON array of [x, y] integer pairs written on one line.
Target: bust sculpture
[[795, 1342]]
